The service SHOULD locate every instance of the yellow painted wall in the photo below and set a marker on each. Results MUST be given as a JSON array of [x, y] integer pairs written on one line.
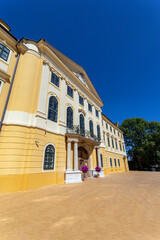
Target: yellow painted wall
[[21, 159], [6, 85], [28, 78], [106, 162]]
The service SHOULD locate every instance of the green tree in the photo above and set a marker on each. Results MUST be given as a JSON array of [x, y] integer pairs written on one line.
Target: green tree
[[142, 140], [135, 135]]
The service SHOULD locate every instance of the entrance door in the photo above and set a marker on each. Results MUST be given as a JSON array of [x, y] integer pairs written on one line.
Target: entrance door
[[83, 157]]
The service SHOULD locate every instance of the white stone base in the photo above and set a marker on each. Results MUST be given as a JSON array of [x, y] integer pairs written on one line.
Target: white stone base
[[101, 174], [73, 176], [95, 173]]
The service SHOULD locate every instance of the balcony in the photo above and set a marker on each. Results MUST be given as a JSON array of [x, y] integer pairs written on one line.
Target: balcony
[[82, 133]]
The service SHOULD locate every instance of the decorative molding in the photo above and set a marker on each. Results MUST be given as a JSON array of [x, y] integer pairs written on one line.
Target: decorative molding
[[22, 48], [4, 76], [82, 111], [33, 52]]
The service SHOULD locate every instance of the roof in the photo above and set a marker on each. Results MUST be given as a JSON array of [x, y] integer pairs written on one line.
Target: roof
[[112, 122]]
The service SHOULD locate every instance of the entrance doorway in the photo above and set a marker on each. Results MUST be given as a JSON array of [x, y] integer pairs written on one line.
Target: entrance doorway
[[82, 158]]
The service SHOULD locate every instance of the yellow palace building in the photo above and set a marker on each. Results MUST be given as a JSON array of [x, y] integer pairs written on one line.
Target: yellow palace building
[[51, 120]]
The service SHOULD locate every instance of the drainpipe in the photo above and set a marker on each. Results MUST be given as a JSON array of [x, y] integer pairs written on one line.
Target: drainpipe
[[5, 107]]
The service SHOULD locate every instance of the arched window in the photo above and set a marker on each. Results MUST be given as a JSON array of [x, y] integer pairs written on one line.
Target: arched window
[[101, 160], [53, 109], [91, 128], [69, 117], [98, 133], [49, 158], [82, 127]]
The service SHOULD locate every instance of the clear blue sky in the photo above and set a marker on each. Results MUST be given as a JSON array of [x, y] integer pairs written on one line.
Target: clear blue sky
[[117, 42]]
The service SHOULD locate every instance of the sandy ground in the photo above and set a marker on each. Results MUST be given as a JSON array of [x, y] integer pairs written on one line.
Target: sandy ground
[[123, 206]]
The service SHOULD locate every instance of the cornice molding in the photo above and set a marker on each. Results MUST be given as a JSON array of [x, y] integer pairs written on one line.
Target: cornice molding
[[22, 48], [4, 76], [5, 36]]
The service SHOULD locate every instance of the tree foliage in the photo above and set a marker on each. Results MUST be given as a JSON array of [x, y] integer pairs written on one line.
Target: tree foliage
[[142, 139]]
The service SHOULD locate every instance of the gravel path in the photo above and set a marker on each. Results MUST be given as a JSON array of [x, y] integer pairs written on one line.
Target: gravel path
[[121, 206]]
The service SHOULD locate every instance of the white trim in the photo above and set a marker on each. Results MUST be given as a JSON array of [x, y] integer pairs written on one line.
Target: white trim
[[1, 85], [51, 170]]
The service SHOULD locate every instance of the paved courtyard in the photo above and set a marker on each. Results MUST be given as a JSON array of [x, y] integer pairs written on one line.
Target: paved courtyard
[[121, 206]]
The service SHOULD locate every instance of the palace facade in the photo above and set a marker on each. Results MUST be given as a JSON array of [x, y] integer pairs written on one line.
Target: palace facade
[[51, 120]]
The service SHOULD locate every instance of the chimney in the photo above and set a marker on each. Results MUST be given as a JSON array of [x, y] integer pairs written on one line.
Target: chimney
[[117, 124]]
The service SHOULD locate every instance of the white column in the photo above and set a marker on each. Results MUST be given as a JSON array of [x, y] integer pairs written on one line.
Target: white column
[[62, 102], [98, 156], [68, 156], [76, 155]]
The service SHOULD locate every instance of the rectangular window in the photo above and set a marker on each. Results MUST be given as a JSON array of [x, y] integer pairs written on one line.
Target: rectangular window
[[118, 134], [123, 148], [115, 163], [110, 162], [97, 113], [104, 136], [108, 142], [106, 125], [70, 91], [112, 143], [116, 144], [55, 79], [89, 107], [114, 131], [81, 100], [118, 163], [120, 146], [111, 129], [4, 52]]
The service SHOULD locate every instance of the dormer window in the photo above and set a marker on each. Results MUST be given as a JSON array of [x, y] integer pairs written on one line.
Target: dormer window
[[4, 52], [55, 79]]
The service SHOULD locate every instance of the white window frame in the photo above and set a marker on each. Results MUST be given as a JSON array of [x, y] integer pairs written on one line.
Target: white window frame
[[49, 170]]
